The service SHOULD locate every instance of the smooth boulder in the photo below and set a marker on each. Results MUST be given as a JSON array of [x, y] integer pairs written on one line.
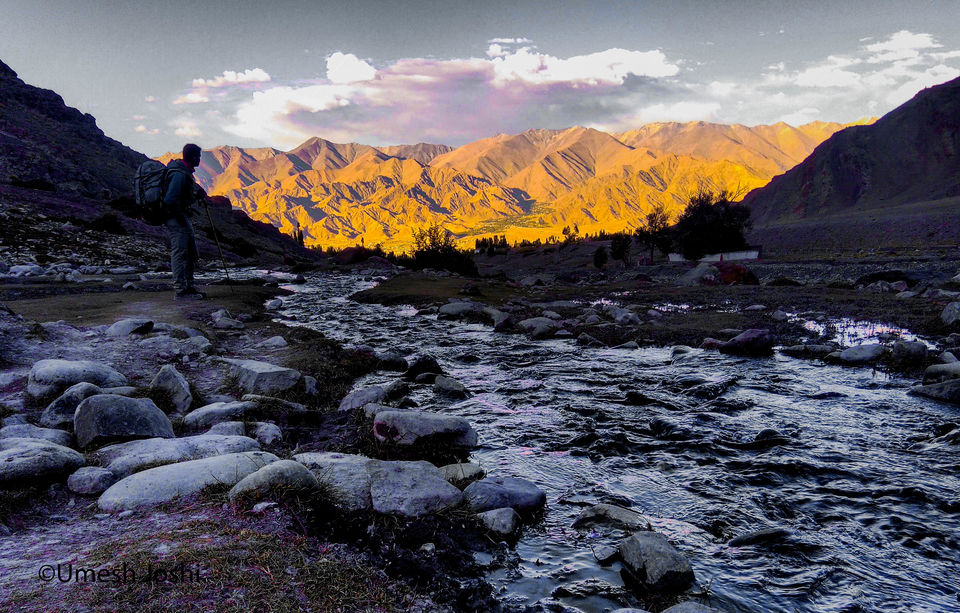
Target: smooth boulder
[[49, 378], [91, 480], [108, 417], [27, 461], [363, 396], [30, 431], [500, 521], [409, 489], [124, 459], [60, 412], [499, 492], [345, 474], [164, 484], [753, 342], [419, 428], [126, 327], [861, 354], [216, 412], [654, 563], [281, 478]]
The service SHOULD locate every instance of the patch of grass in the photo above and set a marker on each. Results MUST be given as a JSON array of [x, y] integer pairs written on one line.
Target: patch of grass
[[243, 569]]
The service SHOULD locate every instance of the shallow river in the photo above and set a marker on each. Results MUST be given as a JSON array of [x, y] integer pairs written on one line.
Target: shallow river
[[872, 508]]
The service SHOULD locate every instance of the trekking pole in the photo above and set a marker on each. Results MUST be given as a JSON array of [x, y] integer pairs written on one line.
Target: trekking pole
[[216, 237]]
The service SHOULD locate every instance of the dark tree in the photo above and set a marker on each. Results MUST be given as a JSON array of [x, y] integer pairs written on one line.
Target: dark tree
[[711, 223], [620, 247], [655, 233], [600, 257]]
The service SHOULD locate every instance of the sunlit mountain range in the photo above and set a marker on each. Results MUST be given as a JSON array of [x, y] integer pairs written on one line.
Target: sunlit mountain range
[[526, 186]]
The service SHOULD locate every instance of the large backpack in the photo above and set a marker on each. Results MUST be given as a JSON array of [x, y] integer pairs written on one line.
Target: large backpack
[[149, 185]]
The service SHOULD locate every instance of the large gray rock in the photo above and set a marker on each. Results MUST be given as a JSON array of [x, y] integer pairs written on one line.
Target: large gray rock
[[126, 327], [167, 483], [108, 417], [499, 492], [941, 372], [862, 354], [28, 461], [276, 480], [228, 428], [409, 489], [951, 314], [948, 391], [655, 563], [613, 515], [256, 377], [91, 480], [449, 387], [704, 274], [458, 310], [345, 474], [419, 428], [216, 412], [174, 387], [49, 378], [60, 412], [363, 396], [909, 353], [461, 472], [753, 342], [127, 458], [538, 327], [267, 433], [501, 521], [30, 431]]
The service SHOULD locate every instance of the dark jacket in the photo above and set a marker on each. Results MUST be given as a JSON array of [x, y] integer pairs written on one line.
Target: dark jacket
[[179, 197]]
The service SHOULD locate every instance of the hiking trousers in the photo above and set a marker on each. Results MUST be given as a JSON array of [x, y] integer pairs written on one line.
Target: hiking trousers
[[183, 252]]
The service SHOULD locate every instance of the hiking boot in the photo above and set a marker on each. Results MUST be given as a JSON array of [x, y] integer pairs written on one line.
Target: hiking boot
[[191, 293]]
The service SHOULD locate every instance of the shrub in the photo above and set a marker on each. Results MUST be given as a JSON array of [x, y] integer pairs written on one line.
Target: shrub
[[620, 247], [434, 248]]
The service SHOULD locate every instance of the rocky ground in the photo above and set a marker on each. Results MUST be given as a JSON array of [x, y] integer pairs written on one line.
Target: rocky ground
[[204, 436]]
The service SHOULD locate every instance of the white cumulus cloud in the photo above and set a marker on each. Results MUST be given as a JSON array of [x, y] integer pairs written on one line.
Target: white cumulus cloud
[[348, 68], [231, 77], [191, 98]]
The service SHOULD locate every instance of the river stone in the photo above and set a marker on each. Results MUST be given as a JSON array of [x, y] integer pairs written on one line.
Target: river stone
[[124, 459], [59, 413], [48, 378], [760, 537], [91, 480], [497, 317], [655, 563], [948, 391], [753, 342], [938, 373], [30, 431], [612, 514], [538, 327], [275, 479], [912, 353], [392, 361], [588, 341], [256, 377], [26, 461], [951, 314], [862, 354], [126, 327], [216, 412], [423, 364], [449, 387], [174, 386], [461, 472], [501, 521], [409, 489], [416, 428], [457, 310], [363, 396], [346, 475], [498, 492], [108, 417], [166, 483]]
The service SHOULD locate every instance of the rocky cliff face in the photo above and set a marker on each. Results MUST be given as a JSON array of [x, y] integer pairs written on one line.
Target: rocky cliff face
[[46, 144], [912, 154]]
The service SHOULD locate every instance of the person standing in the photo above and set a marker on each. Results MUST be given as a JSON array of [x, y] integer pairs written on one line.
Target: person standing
[[179, 198]]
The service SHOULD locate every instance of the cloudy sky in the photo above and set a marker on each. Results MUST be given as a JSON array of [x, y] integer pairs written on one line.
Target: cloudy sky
[[256, 73]]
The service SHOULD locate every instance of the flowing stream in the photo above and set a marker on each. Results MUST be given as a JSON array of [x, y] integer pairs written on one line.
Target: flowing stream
[[870, 500]]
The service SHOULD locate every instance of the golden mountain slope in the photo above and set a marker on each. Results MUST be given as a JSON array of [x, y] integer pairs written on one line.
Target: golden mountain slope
[[526, 185]]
